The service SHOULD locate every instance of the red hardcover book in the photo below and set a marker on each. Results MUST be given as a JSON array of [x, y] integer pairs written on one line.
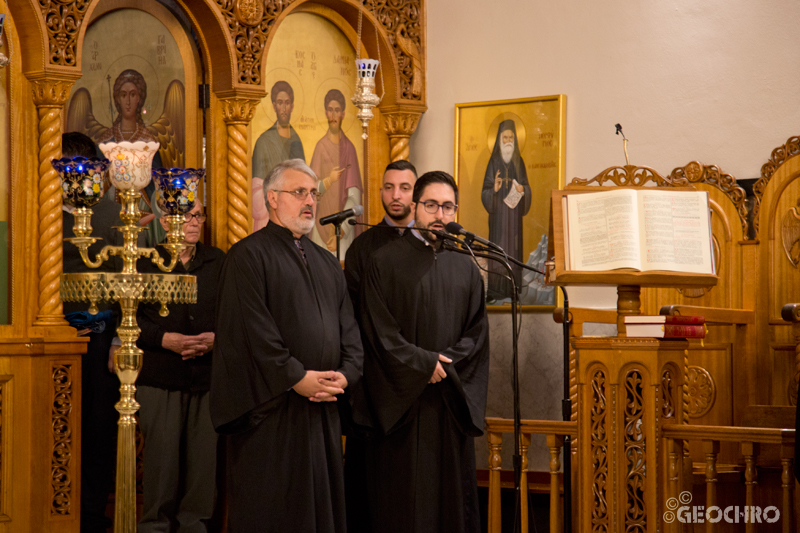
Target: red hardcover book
[[667, 331], [664, 319]]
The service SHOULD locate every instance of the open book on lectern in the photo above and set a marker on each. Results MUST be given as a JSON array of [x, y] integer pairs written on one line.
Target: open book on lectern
[[642, 229]]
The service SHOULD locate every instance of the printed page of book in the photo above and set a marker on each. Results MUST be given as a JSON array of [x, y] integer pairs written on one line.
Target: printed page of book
[[514, 196], [603, 230], [676, 231]]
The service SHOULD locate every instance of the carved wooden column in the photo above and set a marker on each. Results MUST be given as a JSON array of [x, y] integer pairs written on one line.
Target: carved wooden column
[[399, 125], [624, 400], [49, 96], [237, 113]]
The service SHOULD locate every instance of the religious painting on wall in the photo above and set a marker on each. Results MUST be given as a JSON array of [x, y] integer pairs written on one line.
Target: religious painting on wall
[[307, 114], [134, 91], [509, 156]]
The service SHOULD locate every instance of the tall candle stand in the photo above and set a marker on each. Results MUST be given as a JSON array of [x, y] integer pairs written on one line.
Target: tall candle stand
[[129, 166]]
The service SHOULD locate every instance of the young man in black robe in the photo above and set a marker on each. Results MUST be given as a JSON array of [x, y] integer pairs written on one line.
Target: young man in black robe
[[505, 171], [287, 344], [425, 375], [396, 193]]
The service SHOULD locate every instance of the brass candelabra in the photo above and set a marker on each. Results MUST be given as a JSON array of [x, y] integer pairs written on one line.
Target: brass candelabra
[[130, 170]]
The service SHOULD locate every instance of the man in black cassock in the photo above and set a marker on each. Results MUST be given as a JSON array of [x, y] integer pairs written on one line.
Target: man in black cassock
[[426, 370], [505, 223], [287, 344], [397, 191]]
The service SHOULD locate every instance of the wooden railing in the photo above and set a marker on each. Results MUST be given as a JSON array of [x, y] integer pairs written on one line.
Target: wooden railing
[[554, 433], [751, 440]]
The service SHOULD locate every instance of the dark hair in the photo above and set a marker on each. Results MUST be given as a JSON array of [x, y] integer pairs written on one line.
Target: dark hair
[[436, 176], [401, 165], [334, 94], [282, 87], [74, 144]]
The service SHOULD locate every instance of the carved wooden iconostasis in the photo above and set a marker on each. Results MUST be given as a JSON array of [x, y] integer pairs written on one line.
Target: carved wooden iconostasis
[[66, 58]]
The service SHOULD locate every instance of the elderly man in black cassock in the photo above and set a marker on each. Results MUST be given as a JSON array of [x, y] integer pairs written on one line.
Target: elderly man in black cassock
[[505, 173], [287, 345], [426, 370]]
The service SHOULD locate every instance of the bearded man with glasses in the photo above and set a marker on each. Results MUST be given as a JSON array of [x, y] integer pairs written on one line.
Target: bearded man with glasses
[[426, 369], [180, 444], [287, 347]]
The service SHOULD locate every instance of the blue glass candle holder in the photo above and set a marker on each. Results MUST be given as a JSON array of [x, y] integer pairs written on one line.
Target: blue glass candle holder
[[177, 189], [81, 179]]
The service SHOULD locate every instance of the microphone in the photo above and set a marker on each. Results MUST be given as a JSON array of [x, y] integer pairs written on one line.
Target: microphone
[[456, 229], [338, 218]]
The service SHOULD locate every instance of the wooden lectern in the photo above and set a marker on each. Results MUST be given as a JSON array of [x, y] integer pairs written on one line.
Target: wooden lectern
[[628, 388]]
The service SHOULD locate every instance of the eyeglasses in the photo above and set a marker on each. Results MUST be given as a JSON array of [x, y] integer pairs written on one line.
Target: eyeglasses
[[302, 194], [200, 217], [432, 207]]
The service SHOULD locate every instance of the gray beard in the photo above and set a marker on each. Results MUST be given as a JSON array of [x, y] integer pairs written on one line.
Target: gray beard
[[506, 151]]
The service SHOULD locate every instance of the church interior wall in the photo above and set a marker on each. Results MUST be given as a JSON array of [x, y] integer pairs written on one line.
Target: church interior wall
[[712, 81]]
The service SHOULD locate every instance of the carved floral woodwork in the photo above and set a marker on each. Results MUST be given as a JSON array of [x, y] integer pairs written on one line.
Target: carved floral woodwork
[[250, 22], [696, 172], [49, 97], [702, 391], [399, 127], [61, 479], [599, 453], [631, 175], [635, 443], [668, 395], [63, 20], [779, 155], [237, 113]]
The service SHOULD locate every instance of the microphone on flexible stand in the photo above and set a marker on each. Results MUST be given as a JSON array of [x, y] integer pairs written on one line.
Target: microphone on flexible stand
[[338, 218], [456, 229]]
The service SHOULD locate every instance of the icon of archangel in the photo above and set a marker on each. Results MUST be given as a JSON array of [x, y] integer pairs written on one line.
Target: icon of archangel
[[128, 94], [790, 235]]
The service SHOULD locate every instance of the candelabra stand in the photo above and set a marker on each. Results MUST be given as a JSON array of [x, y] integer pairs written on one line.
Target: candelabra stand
[[129, 288]]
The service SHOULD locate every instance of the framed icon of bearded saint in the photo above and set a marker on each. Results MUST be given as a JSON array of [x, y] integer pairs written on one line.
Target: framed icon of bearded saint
[[307, 114], [509, 156]]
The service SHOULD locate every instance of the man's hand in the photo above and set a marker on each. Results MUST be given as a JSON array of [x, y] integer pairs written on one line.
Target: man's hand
[[497, 182], [333, 177], [338, 381], [519, 188], [438, 373], [188, 346], [317, 386]]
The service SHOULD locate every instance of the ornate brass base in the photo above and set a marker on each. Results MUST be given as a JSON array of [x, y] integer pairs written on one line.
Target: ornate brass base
[[128, 290]]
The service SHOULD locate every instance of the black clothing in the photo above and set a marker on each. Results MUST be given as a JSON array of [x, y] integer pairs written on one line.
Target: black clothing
[[505, 224], [164, 368], [277, 318], [360, 253], [420, 467]]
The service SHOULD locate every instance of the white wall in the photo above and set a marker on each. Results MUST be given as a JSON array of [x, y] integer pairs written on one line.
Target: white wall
[[710, 80], [715, 81]]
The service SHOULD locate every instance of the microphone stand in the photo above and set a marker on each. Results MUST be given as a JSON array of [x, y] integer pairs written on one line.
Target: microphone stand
[[566, 402], [493, 255], [338, 230]]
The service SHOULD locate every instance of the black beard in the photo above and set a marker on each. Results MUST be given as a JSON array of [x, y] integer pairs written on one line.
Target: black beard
[[406, 212]]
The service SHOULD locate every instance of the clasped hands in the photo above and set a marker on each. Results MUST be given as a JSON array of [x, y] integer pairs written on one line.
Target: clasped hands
[[321, 386], [438, 373], [188, 346]]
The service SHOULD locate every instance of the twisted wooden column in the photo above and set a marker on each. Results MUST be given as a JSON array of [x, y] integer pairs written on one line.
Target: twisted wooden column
[[399, 126], [237, 113], [49, 96]]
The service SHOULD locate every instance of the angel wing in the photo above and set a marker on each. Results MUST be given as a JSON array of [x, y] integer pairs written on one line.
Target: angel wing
[[80, 117], [790, 233], [170, 127], [409, 48]]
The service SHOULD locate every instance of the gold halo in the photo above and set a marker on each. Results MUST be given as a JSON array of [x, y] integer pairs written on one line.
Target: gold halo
[[495, 125], [153, 104], [350, 110], [278, 74]]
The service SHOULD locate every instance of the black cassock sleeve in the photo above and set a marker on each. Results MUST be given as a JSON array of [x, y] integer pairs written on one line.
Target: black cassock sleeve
[[396, 371], [252, 365]]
